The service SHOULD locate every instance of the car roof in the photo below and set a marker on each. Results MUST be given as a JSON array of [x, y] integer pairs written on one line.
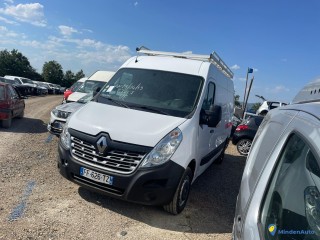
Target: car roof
[[312, 108]]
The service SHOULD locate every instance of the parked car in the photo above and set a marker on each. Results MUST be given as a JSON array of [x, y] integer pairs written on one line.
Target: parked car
[[22, 89], [266, 106], [26, 82], [72, 89], [245, 132], [42, 89], [59, 114], [11, 104], [94, 82], [152, 130], [51, 88], [279, 195]]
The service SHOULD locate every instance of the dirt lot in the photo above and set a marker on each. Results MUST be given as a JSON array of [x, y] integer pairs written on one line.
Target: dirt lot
[[37, 203]]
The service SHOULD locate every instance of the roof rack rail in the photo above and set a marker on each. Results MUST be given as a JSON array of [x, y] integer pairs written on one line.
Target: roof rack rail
[[213, 58]]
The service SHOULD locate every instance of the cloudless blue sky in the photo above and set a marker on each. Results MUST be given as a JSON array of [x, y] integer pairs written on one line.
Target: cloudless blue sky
[[279, 39]]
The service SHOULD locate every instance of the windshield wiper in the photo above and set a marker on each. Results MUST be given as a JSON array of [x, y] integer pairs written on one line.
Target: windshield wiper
[[115, 101], [152, 109]]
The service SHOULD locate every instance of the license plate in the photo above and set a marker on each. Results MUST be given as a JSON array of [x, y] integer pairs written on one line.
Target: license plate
[[95, 176]]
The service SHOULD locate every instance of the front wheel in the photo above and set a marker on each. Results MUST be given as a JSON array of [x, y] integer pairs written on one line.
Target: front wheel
[[181, 195], [243, 146]]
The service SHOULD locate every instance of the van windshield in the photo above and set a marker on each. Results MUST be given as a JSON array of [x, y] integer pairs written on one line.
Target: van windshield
[[90, 86], [156, 91]]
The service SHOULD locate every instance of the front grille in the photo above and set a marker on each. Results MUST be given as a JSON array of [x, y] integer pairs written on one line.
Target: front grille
[[118, 161]]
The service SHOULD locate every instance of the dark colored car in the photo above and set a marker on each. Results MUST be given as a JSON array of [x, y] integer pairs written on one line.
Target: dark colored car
[[22, 89], [11, 104], [245, 132]]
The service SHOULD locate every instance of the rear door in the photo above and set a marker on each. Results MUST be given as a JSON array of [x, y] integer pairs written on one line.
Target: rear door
[[16, 104]]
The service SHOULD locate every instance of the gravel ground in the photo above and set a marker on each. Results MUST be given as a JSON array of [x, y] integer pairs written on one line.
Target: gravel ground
[[37, 203]]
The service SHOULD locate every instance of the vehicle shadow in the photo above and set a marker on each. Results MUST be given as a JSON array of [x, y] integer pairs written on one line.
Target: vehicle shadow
[[26, 125], [210, 208]]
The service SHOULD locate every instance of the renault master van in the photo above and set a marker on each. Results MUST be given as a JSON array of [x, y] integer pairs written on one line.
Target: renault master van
[[159, 122]]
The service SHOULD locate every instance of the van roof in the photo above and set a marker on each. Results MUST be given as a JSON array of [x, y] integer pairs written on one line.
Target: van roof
[[211, 58], [309, 93], [103, 76]]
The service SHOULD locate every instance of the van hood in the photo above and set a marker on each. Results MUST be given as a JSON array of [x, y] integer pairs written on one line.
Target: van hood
[[123, 124], [73, 97], [69, 107]]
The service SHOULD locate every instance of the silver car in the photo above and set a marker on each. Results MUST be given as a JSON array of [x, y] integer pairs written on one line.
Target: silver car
[[279, 196], [59, 114]]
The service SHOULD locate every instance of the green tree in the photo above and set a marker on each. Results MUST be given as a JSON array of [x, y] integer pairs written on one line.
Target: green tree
[[16, 64], [236, 100], [255, 106], [79, 75], [52, 72], [68, 79]]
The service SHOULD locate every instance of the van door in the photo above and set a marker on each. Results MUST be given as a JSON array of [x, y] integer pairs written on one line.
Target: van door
[[207, 135]]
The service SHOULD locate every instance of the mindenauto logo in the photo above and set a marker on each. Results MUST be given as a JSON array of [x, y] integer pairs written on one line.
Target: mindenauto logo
[[272, 228]]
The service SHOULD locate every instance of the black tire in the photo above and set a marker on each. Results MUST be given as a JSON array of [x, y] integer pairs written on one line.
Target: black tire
[[263, 113], [7, 123], [243, 146], [181, 195]]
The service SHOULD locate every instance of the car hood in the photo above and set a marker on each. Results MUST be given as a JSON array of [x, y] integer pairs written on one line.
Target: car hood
[[70, 107], [123, 124], [73, 97]]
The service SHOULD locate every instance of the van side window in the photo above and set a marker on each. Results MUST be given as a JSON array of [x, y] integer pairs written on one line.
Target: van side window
[[209, 97], [296, 177]]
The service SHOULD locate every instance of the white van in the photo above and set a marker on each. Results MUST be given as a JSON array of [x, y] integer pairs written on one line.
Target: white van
[[161, 120], [95, 82], [279, 197]]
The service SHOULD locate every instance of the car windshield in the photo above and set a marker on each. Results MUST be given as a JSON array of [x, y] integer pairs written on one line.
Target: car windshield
[[76, 86], [156, 91], [1, 93], [25, 80], [90, 86]]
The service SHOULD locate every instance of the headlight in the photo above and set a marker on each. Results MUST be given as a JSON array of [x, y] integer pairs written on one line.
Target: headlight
[[55, 112], [162, 152], [61, 114], [65, 137]]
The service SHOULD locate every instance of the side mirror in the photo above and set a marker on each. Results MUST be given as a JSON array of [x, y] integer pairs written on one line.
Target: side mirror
[[211, 117], [96, 91]]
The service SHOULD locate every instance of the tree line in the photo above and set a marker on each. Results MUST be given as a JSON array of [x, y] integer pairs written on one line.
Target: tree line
[[16, 64]]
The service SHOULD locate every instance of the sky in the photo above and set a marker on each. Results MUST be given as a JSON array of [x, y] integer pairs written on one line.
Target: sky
[[279, 39]]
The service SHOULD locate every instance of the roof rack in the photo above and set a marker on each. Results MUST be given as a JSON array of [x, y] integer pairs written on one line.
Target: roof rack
[[212, 58]]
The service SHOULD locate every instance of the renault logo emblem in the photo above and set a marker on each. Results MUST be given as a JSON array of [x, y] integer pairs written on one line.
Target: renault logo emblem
[[102, 145]]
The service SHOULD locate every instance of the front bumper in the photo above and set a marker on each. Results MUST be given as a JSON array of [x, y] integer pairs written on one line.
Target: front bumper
[[55, 127], [150, 186]]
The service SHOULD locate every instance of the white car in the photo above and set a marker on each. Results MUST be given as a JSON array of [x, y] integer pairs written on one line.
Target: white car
[[266, 106], [156, 126], [279, 196], [59, 114]]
